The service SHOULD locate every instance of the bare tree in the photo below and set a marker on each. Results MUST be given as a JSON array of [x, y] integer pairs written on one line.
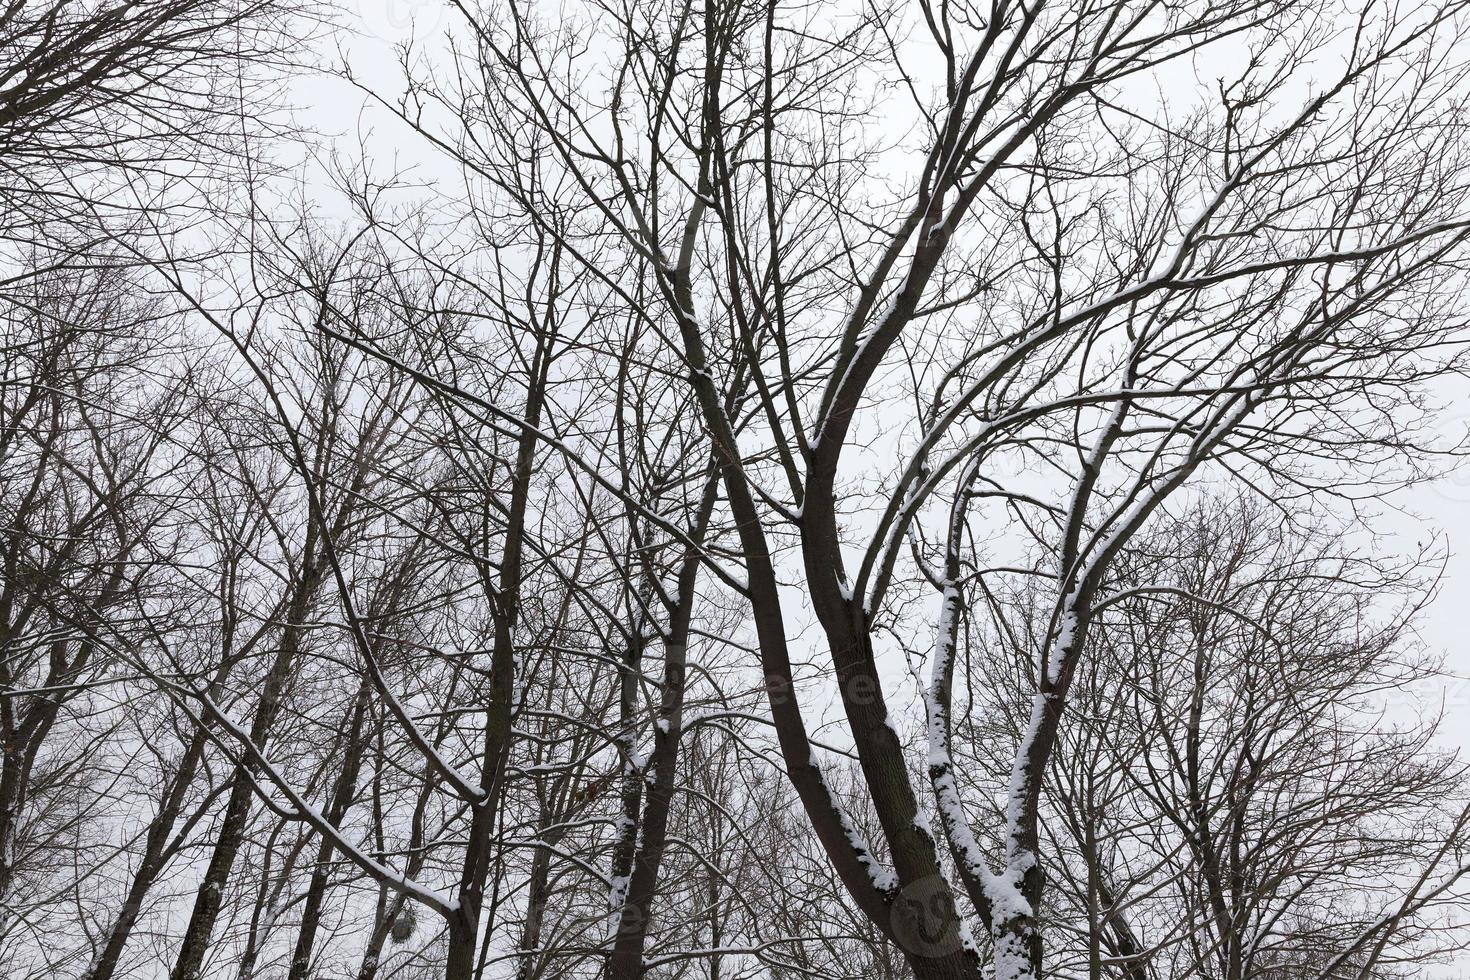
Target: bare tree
[[117, 114], [1126, 295], [85, 503], [1236, 798], [751, 516]]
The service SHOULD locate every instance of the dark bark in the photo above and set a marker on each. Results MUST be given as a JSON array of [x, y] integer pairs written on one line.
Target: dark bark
[[343, 795], [635, 917], [209, 898]]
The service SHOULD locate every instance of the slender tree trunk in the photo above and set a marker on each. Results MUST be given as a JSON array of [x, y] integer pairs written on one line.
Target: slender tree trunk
[[342, 797], [464, 926], [156, 853], [626, 960], [267, 908], [537, 895], [209, 899]]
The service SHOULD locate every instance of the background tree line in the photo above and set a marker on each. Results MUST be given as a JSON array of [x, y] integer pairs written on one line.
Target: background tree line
[[810, 491]]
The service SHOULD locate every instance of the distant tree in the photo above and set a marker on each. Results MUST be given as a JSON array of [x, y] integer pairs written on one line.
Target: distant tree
[[85, 546], [117, 115], [1242, 792]]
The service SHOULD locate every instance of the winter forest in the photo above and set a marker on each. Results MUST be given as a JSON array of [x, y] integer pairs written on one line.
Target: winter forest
[[734, 489]]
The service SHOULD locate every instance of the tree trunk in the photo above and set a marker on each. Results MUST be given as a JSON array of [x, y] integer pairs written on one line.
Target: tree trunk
[[342, 796]]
